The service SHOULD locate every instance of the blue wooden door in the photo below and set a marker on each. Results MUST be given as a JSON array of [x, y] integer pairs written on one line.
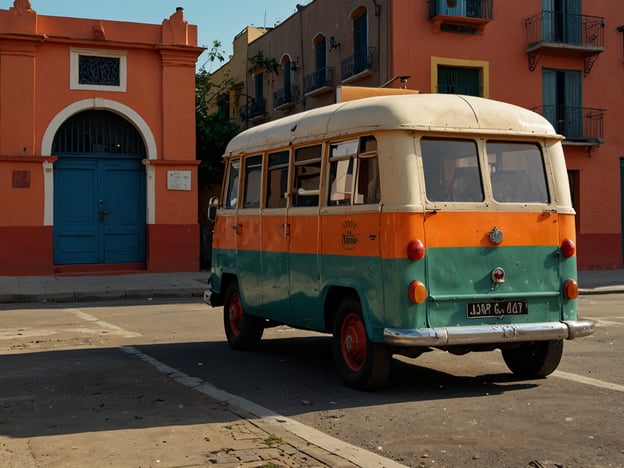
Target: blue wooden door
[[99, 190], [121, 211], [99, 210]]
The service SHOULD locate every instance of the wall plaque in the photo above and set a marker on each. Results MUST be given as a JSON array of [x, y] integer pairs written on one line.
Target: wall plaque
[[179, 180], [21, 179]]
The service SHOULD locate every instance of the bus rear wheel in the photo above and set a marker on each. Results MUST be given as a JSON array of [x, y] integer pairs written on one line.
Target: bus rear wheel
[[243, 331], [534, 360], [362, 364]]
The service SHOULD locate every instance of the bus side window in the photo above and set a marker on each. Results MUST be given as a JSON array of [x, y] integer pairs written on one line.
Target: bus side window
[[253, 175], [231, 193], [277, 180], [341, 167], [368, 185], [307, 176]]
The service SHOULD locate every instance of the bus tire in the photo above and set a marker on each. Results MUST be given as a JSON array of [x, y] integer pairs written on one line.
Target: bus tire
[[534, 360], [243, 331], [362, 364]]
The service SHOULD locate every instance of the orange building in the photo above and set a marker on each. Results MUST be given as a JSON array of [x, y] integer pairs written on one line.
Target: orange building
[[561, 58], [98, 170]]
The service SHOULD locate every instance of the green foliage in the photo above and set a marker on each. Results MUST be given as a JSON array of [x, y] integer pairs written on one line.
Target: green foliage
[[213, 131], [260, 62]]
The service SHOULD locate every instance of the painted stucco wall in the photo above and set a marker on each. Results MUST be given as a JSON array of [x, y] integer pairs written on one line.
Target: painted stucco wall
[[36, 97]]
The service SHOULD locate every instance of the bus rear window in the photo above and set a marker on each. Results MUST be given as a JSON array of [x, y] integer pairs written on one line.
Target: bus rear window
[[451, 170], [517, 172]]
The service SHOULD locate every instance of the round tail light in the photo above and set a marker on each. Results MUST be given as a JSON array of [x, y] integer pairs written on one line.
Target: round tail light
[[568, 248], [417, 292], [498, 275], [415, 250], [570, 289]]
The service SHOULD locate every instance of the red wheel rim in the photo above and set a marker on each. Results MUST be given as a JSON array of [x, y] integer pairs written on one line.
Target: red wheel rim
[[235, 314], [353, 342]]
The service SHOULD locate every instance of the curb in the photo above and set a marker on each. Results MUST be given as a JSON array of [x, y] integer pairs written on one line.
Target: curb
[[94, 296]]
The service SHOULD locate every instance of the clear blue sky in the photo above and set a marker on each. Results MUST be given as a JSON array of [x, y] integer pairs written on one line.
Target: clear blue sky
[[216, 20]]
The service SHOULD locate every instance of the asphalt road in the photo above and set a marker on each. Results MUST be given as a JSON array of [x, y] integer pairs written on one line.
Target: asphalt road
[[439, 410]]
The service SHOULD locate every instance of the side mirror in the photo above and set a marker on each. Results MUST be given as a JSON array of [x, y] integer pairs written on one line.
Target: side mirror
[[213, 203]]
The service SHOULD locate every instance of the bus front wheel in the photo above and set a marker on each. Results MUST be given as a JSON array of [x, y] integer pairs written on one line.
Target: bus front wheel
[[362, 364], [534, 360], [243, 331]]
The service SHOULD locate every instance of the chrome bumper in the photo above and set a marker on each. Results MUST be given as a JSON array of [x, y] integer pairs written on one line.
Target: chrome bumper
[[488, 334]]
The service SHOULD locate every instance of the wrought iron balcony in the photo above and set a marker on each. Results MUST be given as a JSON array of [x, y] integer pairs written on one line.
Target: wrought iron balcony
[[285, 96], [316, 82], [577, 124], [480, 9], [257, 108], [565, 34], [356, 64], [566, 29]]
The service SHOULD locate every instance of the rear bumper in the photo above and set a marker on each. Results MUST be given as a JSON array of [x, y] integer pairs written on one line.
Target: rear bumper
[[488, 334]]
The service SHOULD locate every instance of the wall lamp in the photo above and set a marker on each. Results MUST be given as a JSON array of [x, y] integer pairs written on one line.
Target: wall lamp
[[333, 44]]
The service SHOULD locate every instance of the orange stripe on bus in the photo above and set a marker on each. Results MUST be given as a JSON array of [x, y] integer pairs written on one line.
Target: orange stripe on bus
[[387, 234]]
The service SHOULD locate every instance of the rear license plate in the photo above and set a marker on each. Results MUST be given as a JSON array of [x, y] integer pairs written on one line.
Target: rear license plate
[[496, 308]]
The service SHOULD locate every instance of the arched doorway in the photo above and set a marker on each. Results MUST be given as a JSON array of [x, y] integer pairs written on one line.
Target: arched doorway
[[99, 190]]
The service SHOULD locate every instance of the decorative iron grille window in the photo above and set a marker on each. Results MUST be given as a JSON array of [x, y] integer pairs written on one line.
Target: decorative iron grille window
[[98, 132], [93, 70], [101, 70]]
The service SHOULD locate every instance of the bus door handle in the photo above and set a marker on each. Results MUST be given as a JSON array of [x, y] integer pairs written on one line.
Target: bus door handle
[[285, 228], [237, 228]]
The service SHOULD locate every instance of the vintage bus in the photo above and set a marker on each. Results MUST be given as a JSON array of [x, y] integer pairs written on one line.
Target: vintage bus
[[401, 224]]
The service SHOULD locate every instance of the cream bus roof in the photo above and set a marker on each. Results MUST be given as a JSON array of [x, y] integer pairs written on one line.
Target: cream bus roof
[[420, 112]]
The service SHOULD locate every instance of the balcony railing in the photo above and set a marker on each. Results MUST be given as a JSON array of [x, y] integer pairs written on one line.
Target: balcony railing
[[481, 9], [579, 124], [321, 78], [356, 64], [285, 96], [257, 108], [566, 29]]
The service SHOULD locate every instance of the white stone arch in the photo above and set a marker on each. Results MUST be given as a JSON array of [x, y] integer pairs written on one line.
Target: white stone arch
[[98, 104]]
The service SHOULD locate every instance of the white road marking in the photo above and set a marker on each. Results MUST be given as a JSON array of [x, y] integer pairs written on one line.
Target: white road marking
[[588, 381], [100, 323], [356, 455]]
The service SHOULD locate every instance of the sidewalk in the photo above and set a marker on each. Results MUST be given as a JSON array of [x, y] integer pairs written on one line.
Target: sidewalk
[[25, 289]]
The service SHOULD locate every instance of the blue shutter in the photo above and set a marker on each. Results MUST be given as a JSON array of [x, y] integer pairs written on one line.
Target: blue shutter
[[259, 87], [320, 54], [360, 43], [549, 18], [572, 21], [287, 81], [573, 103], [549, 97], [459, 80]]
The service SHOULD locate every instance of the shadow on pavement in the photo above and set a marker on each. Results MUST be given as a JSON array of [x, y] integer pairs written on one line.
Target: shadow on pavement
[[90, 390]]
